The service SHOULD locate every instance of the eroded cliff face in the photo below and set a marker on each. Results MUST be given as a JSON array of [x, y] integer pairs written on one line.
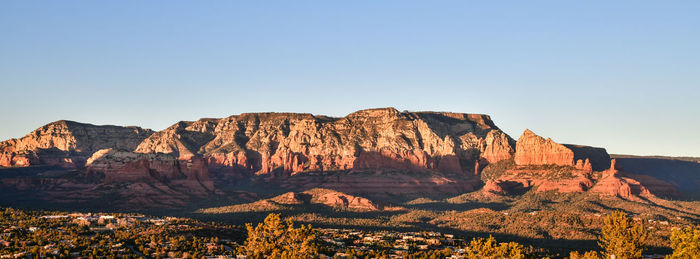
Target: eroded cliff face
[[550, 166], [67, 144], [612, 182], [532, 149], [617, 183], [376, 151], [124, 166], [192, 158], [378, 138]]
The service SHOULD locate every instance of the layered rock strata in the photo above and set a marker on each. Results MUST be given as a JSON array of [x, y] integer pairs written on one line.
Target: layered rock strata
[[192, 157], [532, 149], [378, 138], [614, 182], [284, 142], [67, 144]]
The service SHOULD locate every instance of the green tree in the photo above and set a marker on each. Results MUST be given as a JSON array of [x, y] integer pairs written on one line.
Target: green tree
[[685, 243], [622, 237], [274, 239], [489, 248]]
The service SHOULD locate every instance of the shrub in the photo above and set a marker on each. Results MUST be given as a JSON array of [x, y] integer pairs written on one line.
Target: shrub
[[622, 237], [586, 255], [489, 248], [686, 243], [273, 239]]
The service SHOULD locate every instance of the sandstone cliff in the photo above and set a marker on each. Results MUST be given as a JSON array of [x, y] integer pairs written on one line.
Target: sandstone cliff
[[433, 151], [378, 138], [67, 143], [370, 152], [532, 149], [616, 182], [124, 166]]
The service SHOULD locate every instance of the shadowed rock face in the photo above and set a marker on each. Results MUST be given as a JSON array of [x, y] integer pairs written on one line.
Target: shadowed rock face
[[302, 200], [685, 175], [369, 152], [598, 158], [194, 157], [123, 166], [264, 142], [67, 144], [378, 138], [532, 149]]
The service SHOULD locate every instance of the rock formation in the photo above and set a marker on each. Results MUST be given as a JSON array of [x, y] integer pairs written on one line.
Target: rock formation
[[614, 182], [299, 200], [124, 166], [375, 138], [506, 187], [265, 142], [341, 200], [517, 181], [368, 152], [446, 149], [532, 149], [67, 144]]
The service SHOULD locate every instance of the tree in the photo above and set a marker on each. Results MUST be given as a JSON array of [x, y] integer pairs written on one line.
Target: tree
[[273, 239], [489, 248], [622, 237], [685, 243], [586, 255]]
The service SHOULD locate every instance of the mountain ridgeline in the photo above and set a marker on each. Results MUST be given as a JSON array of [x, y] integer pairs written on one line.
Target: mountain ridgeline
[[372, 152]]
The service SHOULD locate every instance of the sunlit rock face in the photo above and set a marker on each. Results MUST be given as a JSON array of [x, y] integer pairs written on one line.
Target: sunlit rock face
[[374, 151], [290, 143], [532, 149], [67, 144], [265, 142], [617, 183]]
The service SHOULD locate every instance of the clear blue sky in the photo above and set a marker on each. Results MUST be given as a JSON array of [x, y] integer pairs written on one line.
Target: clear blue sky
[[624, 75]]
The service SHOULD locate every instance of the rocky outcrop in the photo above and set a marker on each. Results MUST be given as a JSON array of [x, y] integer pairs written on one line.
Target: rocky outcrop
[[284, 142], [289, 143], [344, 201], [578, 183], [302, 200], [532, 149], [590, 158], [683, 174], [498, 146], [615, 182], [117, 166], [380, 182], [517, 181], [67, 144], [374, 151], [506, 187]]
